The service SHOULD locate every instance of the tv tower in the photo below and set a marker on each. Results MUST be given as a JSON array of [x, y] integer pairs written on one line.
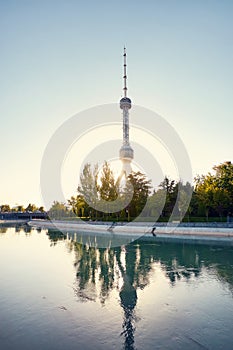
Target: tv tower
[[126, 151]]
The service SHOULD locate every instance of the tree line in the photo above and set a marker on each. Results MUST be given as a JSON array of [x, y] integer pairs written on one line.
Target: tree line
[[6, 208], [100, 196]]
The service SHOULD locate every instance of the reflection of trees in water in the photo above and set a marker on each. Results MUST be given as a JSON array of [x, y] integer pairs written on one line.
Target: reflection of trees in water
[[22, 227], [55, 236], [3, 229], [225, 274], [185, 261], [129, 268], [101, 270], [220, 259], [86, 267], [177, 261], [96, 272]]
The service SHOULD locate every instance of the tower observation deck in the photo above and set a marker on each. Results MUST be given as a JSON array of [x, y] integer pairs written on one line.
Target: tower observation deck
[[126, 151]]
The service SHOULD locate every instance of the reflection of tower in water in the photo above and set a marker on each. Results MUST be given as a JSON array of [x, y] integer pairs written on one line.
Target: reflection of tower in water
[[126, 151], [127, 269], [128, 296]]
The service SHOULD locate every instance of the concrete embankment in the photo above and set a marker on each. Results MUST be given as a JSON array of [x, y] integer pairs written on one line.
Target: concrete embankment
[[144, 231], [13, 222]]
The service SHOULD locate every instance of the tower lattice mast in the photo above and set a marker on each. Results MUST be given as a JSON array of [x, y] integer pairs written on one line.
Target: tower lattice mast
[[126, 151]]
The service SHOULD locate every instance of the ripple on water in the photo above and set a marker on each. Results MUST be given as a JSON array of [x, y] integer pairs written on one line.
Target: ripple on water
[[62, 295]]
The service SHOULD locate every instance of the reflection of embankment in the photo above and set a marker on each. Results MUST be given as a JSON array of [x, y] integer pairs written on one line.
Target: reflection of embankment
[[106, 266], [109, 235]]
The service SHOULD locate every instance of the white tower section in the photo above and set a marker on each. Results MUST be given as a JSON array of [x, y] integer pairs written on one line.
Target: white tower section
[[126, 152]]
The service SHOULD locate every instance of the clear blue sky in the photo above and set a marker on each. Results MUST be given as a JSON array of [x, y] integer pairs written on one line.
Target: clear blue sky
[[61, 57]]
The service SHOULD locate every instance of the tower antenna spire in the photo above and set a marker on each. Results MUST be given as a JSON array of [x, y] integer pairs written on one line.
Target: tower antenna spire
[[125, 74], [126, 151]]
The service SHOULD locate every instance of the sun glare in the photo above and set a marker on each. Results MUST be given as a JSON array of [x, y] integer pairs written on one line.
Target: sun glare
[[103, 144]]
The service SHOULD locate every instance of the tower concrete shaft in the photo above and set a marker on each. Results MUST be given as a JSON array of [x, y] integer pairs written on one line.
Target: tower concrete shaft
[[126, 151]]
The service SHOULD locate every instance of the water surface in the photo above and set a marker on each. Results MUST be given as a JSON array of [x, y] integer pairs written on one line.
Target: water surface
[[58, 294]]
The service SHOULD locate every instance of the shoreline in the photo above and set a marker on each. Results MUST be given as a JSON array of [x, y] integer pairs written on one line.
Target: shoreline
[[115, 234], [120, 224], [13, 222], [109, 234]]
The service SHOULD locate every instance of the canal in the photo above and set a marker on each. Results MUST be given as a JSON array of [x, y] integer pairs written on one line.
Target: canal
[[59, 294]]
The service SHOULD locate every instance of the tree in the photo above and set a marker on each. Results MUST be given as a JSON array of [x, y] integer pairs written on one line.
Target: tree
[[31, 207], [204, 192], [171, 189], [5, 208], [88, 187], [108, 188], [58, 210], [141, 190], [221, 200], [184, 198], [156, 203], [215, 191], [177, 198], [20, 208], [193, 205], [224, 179], [168, 185], [79, 206], [99, 193], [108, 192]]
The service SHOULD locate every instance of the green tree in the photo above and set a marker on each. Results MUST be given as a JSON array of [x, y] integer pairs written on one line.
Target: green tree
[[193, 206], [156, 203], [215, 191], [171, 189], [59, 210], [141, 190], [5, 208], [221, 200], [79, 206], [100, 193], [20, 208], [108, 191], [97, 192], [184, 197], [204, 191], [108, 188], [224, 179], [88, 187], [31, 207]]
